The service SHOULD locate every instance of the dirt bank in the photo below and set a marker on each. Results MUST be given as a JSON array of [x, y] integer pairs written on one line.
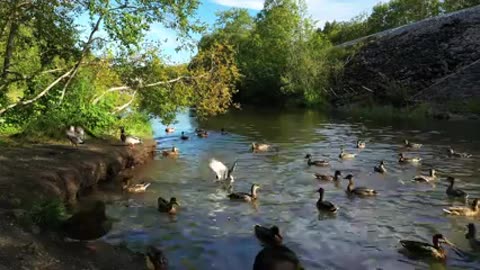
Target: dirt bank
[[31, 174]]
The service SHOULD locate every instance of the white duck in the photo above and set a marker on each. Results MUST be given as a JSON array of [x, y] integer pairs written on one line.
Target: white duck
[[223, 174], [73, 136], [128, 139]]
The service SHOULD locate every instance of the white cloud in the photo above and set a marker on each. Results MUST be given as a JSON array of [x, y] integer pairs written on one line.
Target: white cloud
[[251, 4]]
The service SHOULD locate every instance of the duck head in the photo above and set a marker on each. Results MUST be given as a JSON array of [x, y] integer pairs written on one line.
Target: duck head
[[337, 173], [349, 177], [475, 204], [308, 156], [173, 201], [451, 180], [440, 239]]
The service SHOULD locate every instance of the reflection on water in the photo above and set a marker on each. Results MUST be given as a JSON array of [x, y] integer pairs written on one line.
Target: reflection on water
[[211, 232]]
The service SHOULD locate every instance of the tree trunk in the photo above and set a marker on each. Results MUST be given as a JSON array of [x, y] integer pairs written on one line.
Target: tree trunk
[[10, 46]]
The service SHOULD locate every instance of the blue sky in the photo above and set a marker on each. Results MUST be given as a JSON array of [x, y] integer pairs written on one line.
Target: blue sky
[[320, 10]]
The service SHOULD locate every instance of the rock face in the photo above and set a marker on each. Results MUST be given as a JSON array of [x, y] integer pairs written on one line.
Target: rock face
[[436, 59]]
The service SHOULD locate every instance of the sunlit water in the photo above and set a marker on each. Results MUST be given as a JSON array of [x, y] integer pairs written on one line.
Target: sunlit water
[[211, 232]]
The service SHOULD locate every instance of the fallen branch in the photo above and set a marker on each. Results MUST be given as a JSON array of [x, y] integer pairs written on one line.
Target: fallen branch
[[41, 94]]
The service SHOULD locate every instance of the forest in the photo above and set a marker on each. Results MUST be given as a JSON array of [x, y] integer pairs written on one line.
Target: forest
[[53, 75]]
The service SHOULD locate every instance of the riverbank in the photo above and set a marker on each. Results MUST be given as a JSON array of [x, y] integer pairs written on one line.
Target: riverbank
[[45, 172]]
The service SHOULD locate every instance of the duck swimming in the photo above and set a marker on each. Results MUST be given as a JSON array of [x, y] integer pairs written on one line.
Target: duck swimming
[[361, 191], [268, 236], [202, 134], [170, 130], [320, 163], [345, 155], [222, 173], [171, 153], [325, 205], [455, 192], [408, 144], [248, 197], [277, 258], [128, 139], [135, 188], [424, 178], [472, 231], [260, 147], [403, 159], [183, 137], [361, 144], [427, 250], [165, 206], [325, 177], [156, 259], [380, 168], [464, 210], [452, 153]]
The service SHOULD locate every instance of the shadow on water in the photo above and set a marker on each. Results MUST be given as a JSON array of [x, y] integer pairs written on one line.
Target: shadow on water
[[211, 232]]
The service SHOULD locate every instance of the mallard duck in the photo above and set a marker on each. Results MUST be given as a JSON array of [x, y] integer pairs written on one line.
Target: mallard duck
[[320, 163], [426, 178], [199, 130], [74, 138], [171, 153], [472, 231], [453, 192], [169, 207], [248, 197], [89, 224], [361, 144], [345, 155], [277, 257], [325, 205], [260, 147], [361, 191], [135, 188], [155, 258], [452, 153], [170, 130], [325, 177], [427, 250], [222, 173], [380, 168], [403, 159], [80, 132], [408, 144], [203, 134], [464, 210], [183, 136], [268, 236], [128, 139], [223, 132]]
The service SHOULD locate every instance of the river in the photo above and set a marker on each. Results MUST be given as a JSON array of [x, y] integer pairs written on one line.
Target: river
[[211, 232]]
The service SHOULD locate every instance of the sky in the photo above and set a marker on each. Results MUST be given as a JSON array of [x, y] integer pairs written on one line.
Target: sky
[[320, 10]]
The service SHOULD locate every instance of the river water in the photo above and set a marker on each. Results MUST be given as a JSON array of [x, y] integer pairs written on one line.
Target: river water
[[211, 232]]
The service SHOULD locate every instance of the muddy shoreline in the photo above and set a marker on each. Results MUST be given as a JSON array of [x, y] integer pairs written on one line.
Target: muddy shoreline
[[35, 173]]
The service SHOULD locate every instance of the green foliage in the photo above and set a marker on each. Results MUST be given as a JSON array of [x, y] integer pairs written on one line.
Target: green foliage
[[47, 214]]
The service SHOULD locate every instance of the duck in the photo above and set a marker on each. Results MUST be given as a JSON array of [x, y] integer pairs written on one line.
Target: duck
[[248, 197], [171, 153], [360, 191], [169, 130], [426, 178], [408, 144], [88, 224], [345, 155], [325, 205], [80, 132], [425, 249], [222, 173], [470, 235], [74, 137], [464, 210], [135, 188], [223, 132], [199, 130], [128, 139], [268, 236], [156, 259], [452, 153], [380, 168], [277, 257], [454, 192], [183, 136], [361, 144], [325, 177], [320, 163], [260, 147], [403, 159], [203, 134], [169, 207]]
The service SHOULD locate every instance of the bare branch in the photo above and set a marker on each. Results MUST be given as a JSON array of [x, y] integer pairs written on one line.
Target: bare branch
[[41, 94], [124, 106]]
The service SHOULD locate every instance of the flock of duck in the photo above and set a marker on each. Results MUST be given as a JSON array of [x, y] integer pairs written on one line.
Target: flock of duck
[[275, 255]]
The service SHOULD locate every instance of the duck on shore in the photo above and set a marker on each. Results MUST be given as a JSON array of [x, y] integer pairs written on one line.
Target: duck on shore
[[325, 177], [471, 211], [472, 240], [380, 168], [129, 139], [359, 191], [426, 178], [408, 144], [165, 206], [403, 159], [323, 205], [455, 192], [268, 236], [320, 163], [244, 196], [74, 137], [422, 249]]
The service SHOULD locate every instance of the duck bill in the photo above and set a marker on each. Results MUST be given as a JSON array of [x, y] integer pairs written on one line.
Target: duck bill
[[448, 242]]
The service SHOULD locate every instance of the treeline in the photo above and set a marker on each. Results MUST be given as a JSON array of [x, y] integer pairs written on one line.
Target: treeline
[[52, 75], [286, 59]]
